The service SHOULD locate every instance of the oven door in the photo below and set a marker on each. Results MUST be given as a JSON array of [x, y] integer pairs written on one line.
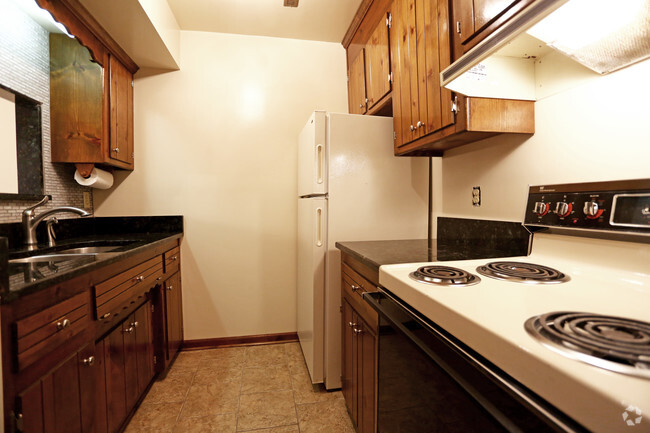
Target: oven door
[[430, 382]]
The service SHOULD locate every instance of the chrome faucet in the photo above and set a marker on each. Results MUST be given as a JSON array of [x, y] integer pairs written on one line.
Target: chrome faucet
[[31, 221]]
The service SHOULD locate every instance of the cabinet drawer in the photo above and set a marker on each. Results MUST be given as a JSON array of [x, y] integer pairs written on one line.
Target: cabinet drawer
[[352, 289], [172, 260], [117, 293], [42, 332]]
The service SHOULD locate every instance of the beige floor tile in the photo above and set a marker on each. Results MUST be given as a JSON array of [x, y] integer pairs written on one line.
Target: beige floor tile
[[224, 423], [305, 392], [227, 357], [172, 388], [211, 399], [265, 410], [261, 379], [159, 417], [188, 360], [285, 429], [326, 417], [221, 375], [265, 356]]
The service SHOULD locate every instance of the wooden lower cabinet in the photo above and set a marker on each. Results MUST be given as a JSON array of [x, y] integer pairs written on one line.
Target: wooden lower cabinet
[[171, 318], [127, 353], [63, 400], [359, 341]]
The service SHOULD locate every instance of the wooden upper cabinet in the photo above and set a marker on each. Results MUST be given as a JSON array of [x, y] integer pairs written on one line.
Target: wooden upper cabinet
[[377, 58], [121, 113], [474, 20], [357, 85], [91, 92], [420, 51]]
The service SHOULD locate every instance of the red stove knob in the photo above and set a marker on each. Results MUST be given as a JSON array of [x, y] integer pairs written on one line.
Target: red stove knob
[[541, 208], [591, 210], [563, 209]]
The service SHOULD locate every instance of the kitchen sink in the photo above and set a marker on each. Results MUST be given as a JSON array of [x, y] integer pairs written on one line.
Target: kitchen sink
[[71, 254], [90, 250]]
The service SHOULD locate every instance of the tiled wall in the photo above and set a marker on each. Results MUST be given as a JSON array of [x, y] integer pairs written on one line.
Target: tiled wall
[[24, 67]]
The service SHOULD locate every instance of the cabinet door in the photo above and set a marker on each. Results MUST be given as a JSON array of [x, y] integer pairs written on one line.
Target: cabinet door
[[367, 347], [173, 314], [63, 400], [377, 63], [121, 113], [349, 357], [422, 49], [114, 355], [131, 387], [357, 85], [76, 95], [144, 348]]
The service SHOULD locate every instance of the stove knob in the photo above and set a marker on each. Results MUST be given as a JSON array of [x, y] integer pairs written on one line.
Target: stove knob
[[591, 208], [541, 208], [563, 208]]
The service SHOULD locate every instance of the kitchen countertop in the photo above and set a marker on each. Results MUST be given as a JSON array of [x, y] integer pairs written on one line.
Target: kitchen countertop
[[377, 253], [131, 236]]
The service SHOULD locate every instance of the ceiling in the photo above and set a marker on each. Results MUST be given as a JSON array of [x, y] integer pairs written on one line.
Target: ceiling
[[318, 20]]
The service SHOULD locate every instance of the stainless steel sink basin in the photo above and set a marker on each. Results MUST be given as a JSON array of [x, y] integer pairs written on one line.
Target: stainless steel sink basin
[[69, 254]]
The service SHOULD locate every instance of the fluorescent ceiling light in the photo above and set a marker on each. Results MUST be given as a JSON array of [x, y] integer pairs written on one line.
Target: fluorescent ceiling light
[[41, 16], [599, 34]]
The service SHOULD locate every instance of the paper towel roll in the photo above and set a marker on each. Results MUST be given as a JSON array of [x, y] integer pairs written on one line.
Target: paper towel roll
[[98, 179]]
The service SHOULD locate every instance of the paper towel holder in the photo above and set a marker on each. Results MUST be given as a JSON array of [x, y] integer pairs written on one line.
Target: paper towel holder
[[85, 169]]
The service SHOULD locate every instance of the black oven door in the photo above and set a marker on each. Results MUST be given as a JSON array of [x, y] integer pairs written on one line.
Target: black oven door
[[430, 382]]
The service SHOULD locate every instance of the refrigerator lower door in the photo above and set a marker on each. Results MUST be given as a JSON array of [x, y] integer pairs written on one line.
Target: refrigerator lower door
[[312, 248]]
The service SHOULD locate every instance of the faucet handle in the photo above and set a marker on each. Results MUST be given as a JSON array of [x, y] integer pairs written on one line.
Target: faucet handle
[[30, 210], [51, 236]]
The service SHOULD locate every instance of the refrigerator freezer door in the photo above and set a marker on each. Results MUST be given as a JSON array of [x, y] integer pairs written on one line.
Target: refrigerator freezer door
[[312, 156], [312, 246]]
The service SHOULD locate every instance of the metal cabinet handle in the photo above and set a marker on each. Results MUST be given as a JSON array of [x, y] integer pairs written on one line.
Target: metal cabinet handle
[[358, 331], [419, 124], [174, 258], [139, 278], [128, 330], [90, 361], [412, 128], [63, 324], [352, 324], [360, 105], [106, 316], [355, 288], [116, 150], [134, 324]]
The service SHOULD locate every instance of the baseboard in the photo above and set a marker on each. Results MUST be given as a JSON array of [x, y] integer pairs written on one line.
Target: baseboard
[[246, 340]]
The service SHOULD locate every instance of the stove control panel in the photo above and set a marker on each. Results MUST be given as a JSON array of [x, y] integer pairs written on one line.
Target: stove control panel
[[611, 206]]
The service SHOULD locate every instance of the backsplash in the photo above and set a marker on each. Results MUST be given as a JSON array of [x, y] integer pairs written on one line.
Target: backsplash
[[24, 67]]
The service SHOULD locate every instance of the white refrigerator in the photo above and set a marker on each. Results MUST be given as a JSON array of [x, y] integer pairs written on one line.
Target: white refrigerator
[[351, 187]]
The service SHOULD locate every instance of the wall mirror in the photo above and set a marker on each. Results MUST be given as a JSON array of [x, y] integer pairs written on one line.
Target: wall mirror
[[21, 165]]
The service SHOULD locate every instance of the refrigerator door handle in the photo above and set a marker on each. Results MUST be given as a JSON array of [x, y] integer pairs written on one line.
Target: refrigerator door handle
[[320, 162], [319, 227]]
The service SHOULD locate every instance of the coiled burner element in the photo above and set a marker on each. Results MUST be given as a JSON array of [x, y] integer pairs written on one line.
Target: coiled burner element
[[522, 272], [613, 343], [444, 276]]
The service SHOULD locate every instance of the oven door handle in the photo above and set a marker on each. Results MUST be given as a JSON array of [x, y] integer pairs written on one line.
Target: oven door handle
[[371, 298]]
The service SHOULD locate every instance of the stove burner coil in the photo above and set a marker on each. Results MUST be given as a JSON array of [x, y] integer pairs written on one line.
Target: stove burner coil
[[444, 276], [522, 273], [613, 343]]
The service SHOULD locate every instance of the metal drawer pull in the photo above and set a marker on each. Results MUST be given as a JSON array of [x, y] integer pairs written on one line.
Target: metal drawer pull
[[355, 288], [170, 287], [129, 330], [358, 331], [134, 324], [139, 278], [106, 316], [63, 324], [174, 257], [352, 324], [90, 361]]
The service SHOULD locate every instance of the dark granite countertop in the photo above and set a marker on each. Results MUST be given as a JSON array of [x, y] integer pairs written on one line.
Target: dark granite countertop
[[377, 253], [130, 236], [457, 239]]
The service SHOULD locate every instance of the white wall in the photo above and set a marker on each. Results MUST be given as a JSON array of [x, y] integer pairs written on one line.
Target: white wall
[[597, 130], [216, 142]]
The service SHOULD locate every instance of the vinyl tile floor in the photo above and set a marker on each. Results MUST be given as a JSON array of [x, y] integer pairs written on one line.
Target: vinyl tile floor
[[263, 389]]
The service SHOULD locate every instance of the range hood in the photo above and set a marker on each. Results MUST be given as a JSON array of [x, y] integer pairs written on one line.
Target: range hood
[[601, 35]]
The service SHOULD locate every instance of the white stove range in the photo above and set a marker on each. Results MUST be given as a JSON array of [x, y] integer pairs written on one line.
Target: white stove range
[[578, 275]]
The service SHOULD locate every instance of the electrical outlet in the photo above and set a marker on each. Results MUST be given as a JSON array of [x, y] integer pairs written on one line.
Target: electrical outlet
[[476, 196], [87, 200]]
